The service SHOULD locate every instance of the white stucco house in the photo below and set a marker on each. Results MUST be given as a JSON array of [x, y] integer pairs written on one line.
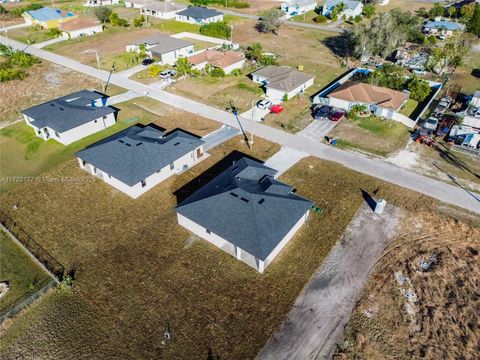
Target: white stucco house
[[298, 7], [351, 8], [80, 27], [166, 48], [140, 157], [225, 60], [246, 212], [162, 9], [93, 3], [199, 15], [137, 4], [71, 117], [282, 80]]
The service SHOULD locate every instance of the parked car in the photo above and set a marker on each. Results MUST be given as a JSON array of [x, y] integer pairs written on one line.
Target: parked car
[[147, 62], [276, 109], [431, 124], [443, 105], [321, 112], [264, 104], [168, 73], [336, 116]]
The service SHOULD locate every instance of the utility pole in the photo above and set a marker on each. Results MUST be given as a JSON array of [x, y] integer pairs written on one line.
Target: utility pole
[[231, 34], [305, 10], [91, 51], [253, 123]]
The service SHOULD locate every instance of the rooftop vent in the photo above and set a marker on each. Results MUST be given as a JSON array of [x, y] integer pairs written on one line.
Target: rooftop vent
[[233, 194], [138, 144], [128, 144], [177, 143], [52, 104], [261, 201], [121, 141], [243, 199]]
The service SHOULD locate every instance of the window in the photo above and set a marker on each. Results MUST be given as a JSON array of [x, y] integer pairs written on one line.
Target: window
[[172, 166], [144, 183], [95, 121]]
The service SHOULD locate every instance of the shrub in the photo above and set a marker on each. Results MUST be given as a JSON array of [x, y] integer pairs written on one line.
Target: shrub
[[236, 72], [54, 32], [138, 22], [115, 20], [217, 72], [368, 10], [154, 70], [217, 29], [102, 13], [3, 10], [419, 88], [7, 74], [268, 60], [357, 19], [285, 97], [319, 19]]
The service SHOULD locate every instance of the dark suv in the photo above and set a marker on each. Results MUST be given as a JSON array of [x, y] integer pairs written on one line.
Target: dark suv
[[147, 62]]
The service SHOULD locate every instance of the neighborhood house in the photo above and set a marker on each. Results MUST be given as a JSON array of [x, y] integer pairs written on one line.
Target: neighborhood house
[[166, 48], [246, 212], [72, 117], [439, 28], [350, 8], [140, 157], [100, 2], [199, 15], [298, 7], [225, 60], [380, 101], [282, 82], [162, 9], [47, 18], [80, 27]]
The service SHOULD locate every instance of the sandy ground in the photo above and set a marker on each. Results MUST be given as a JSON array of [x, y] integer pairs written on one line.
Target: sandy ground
[[323, 308]]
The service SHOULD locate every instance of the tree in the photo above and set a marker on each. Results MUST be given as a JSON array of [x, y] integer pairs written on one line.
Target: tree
[[452, 11], [320, 19], [466, 12], [217, 72], [142, 50], [390, 76], [115, 20], [154, 70], [218, 29], [368, 10], [3, 10], [451, 54], [183, 66], [473, 24], [138, 21], [102, 13], [419, 88], [253, 52], [436, 10], [422, 12], [270, 22]]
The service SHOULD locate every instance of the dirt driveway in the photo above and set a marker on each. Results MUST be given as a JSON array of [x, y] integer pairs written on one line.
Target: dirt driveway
[[318, 318]]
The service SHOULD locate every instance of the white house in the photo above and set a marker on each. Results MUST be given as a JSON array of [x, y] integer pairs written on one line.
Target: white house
[[140, 157], [298, 7], [225, 60], [71, 117], [80, 27], [162, 9], [246, 212], [93, 3], [166, 48], [199, 15], [351, 8], [472, 115], [282, 81], [137, 4]]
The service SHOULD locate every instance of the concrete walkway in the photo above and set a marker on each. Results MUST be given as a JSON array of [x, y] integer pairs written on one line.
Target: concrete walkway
[[451, 194], [318, 129], [285, 159], [49, 42], [219, 136], [321, 312]]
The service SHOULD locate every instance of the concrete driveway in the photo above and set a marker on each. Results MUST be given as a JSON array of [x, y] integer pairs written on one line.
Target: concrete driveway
[[219, 136], [285, 159], [112, 100], [131, 71], [255, 113], [320, 313], [318, 129]]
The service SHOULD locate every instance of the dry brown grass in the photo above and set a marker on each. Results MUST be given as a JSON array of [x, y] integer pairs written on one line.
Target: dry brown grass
[[448, 302]]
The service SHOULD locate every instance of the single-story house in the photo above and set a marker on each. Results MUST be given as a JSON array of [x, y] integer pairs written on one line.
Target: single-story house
[[226, 60], [80, 27], [445, 28], [47, 18], [166, 48], [71, 117], [162, 9], [137, 4], [140, 157], [298, 7], [351, 8], [282, 80], [93, 3], [199, 15], [380, 101], [472, 115], [246, 212]]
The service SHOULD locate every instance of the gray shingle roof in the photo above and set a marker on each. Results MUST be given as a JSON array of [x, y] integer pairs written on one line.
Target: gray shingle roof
[[283, 78], [246, 206], [199, 12], [68, 112], [163, 43], [135, 153]]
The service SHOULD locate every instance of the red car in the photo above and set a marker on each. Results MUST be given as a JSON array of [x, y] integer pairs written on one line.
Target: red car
[[277, 109], [336, 116]]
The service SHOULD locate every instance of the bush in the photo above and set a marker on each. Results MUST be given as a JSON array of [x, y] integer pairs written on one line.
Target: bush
[[320, 19], [217, 72], [236, 72], [419, 88], [7, 74], [368, 10], [154, 70], [3, 10], [357, 19], [268, 60], [115, 20], [54, 32], [138, 22], [102, 13], [217, 29]]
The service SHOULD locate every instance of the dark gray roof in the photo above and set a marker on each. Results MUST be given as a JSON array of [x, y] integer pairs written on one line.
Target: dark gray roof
[[163, 43], [68, 112], [246, 206], [283, 78], [135, 153], [199, 12]]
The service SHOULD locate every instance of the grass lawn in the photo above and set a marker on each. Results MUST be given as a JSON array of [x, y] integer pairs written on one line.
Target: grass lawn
[[137, 270], [174, 27], [23, 274], [295, 116], [308, 17], [380, 137], [409, 107], [464, 75], [24, 154], [199, 44], [30, 35]]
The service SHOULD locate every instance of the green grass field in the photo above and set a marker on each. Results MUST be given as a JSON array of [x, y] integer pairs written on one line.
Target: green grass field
[[409, 107], [30, 35], [24, 275]]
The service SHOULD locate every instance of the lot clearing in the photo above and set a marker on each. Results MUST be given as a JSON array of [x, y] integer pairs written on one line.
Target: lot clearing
[[422, 298], [138, 273], [23, 154], [468, 74]]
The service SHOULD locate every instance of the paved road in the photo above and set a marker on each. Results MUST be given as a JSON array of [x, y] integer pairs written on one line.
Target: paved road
[[219, 136], [374, 167], [320, 313], [289, 22]]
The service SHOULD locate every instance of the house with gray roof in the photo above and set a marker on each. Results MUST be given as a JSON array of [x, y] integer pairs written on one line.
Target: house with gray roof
[[350, 8], [246, 212], [166, 48], [71, 117], [279, 81], [199, 15], [140, 157]]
